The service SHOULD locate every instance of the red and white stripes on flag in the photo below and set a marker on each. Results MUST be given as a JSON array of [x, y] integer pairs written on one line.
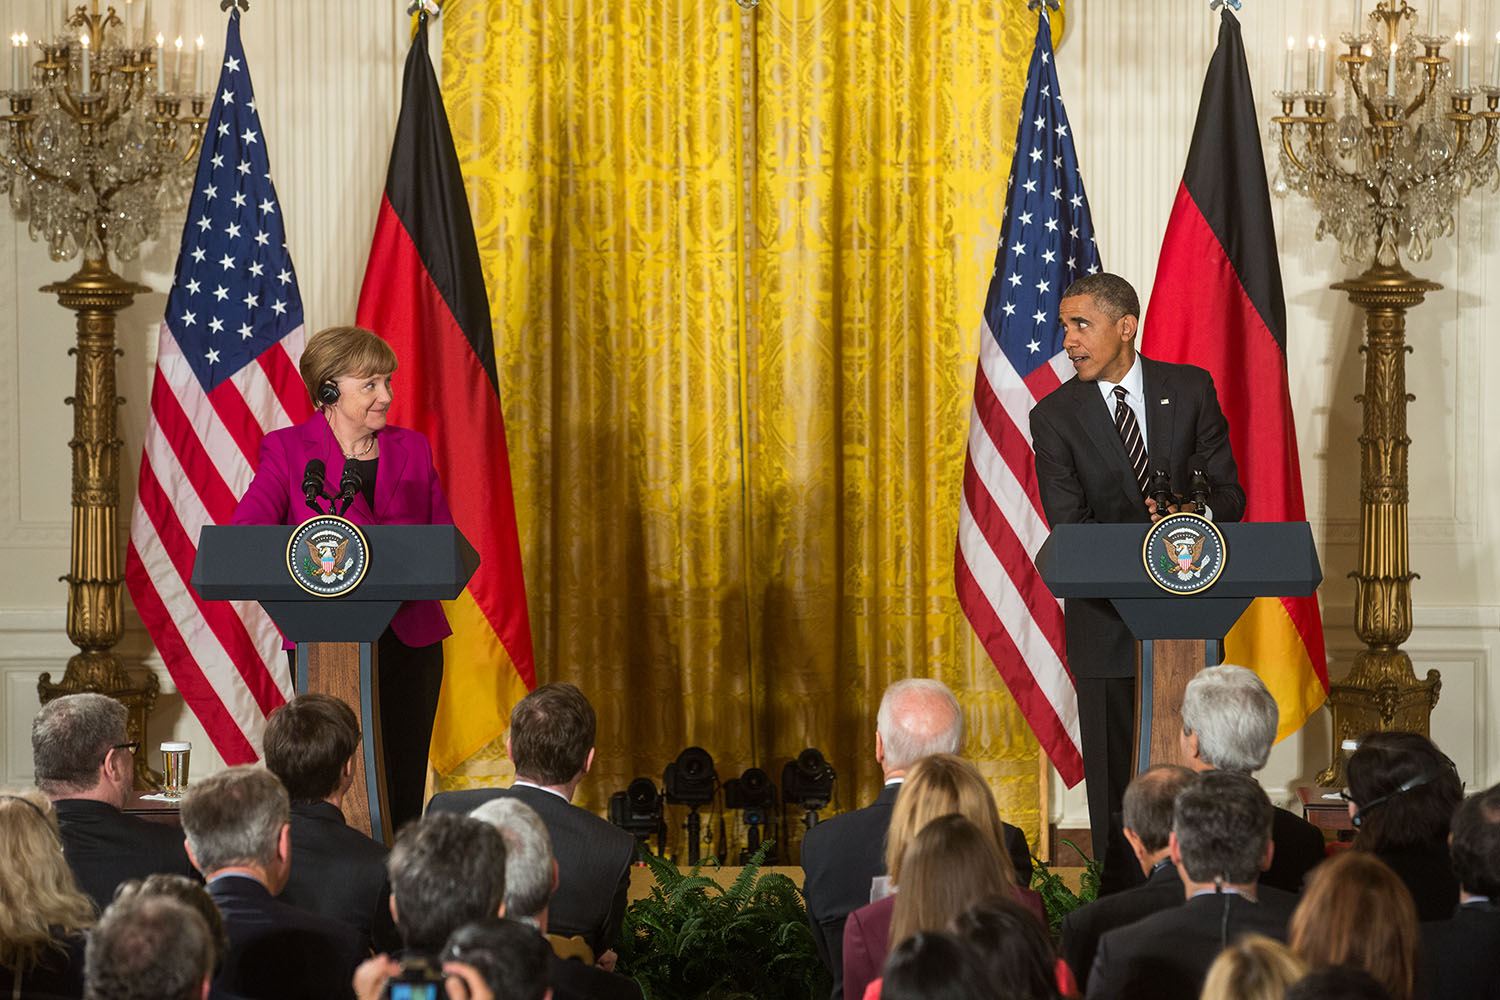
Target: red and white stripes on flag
[[226, 374], [1046, 241]]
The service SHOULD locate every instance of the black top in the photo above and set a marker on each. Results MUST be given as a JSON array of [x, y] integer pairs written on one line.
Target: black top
[[1082, 929], [279, 952], [368, 467], [105, 847], [56, 974], [1461, 955], [1427, 871]]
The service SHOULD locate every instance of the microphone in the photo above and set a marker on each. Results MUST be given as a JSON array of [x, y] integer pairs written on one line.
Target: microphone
[[312, 483], [1159, 488], [350, 483], [1200, 489]]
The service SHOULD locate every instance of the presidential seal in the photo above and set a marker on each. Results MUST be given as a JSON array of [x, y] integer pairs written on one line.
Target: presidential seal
[[327, 556], [1184, 553]]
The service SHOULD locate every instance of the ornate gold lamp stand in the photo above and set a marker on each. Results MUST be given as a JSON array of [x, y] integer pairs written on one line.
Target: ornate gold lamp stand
[[91, 157], [1386, 172]]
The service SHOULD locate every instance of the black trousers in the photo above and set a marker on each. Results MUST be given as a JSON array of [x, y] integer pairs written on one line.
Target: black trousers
[[410, 678], [1106, 721]]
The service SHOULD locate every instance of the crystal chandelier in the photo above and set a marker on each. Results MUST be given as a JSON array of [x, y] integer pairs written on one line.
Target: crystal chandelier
[[1387, 164], [97, 146]]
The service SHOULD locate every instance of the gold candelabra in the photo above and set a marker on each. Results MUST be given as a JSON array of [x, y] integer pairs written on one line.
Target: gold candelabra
[[95, 150], [1386, 175]]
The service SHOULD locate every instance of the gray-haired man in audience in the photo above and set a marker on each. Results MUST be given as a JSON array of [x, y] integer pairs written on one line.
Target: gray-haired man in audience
[[149, 948], [82, 757], [531, 876], [1229, 721]]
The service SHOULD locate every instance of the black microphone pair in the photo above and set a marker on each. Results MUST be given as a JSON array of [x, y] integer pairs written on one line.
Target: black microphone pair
[[350, 484]]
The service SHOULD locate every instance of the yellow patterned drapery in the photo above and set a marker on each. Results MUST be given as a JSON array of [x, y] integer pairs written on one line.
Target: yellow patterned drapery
[[736, 263]]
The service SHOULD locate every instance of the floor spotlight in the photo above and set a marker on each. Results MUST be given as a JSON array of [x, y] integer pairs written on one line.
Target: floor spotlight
[[807, 783], [690, 781], [638, 811], [753, 794]]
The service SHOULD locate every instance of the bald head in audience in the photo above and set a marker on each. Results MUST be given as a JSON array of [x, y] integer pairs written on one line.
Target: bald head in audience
[[918, 717]]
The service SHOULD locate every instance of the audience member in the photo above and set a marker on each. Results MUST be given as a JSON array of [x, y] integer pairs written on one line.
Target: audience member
[[551, 742], [511, 958], [337, 871], [1252, 968], [1337, 983], [933, 965], [1220, 843], [1462, 954], [531, 876], [1356, 912], [82, 757], [238, 831], [1148, 827], [1229, 722], [149, 948], [1016, 951], [935, 786], [43, 915], [843, 855], [191, 893], [446, 871], [1402, 794]]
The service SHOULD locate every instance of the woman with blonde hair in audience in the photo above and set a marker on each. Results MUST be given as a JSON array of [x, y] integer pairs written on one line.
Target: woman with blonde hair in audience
[[934, 786], [1253, 967], [1356, 912], [42, 913]]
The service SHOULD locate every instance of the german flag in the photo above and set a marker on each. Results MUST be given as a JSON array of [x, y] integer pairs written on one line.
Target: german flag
[[1218, 304], [424, 293]]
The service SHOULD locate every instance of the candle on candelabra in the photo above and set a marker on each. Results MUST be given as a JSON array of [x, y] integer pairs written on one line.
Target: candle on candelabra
[[129, 24], [1494, 73], [1357, 19], [1432, 19], [161, 64], [198, 68], [51, 30], [84, 78], [25, 60], [1312, 63], [1291, 48], [146, 21], [15, 61], [1322, 64], [1463, 63], [1390, 73], [177, 66]]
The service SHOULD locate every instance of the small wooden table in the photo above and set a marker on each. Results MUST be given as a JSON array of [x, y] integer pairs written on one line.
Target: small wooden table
[[1324, 809], [155, 810]]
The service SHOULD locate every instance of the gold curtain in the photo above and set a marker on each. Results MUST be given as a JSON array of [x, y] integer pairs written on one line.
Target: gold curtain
[[736, 262]]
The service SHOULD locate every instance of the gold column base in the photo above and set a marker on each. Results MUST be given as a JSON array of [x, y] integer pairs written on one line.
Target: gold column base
[[101, 672], [1380, 694]]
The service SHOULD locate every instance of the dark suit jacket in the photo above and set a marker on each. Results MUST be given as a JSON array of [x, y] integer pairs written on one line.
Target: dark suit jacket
[[1166, 956], [1299, 849], [1427, 870], [1085, 475], [593, 860], [105, 847], [1461, 955], [339, 872], [572, 980], [840, 857], [1082, 928], [279, 952]]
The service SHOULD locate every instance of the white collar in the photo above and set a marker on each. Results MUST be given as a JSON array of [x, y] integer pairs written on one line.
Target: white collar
[[1134, 382], [522, 782]]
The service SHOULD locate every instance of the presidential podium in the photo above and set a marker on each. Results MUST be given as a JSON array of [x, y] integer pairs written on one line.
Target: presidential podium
[[336, 636], [1179, 633]]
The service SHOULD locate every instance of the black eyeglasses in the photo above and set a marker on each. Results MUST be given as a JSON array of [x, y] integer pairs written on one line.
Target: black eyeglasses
[[131, 746]]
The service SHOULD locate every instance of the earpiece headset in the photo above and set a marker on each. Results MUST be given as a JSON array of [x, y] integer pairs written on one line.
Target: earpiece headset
[[1358, 818], [328, 392]]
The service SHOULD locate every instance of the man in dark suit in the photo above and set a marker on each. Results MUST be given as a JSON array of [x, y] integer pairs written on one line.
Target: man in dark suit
[[1461, 955], [1229, 721], [1148, 829], [1086, 472], [841, 856], [1220, 843], [82, 758], [239, 835], [337, 871], [551, 742], [531, 876]]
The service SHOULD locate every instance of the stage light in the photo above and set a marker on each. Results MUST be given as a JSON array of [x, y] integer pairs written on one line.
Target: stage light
[[638, 811], [691, 781]]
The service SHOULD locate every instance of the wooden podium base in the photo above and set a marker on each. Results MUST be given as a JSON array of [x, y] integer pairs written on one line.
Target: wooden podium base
[[1164, 669], [346, 670]]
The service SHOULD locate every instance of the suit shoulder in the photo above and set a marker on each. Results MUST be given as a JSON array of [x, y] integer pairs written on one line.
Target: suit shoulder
[[1059, 400], [463, 800]]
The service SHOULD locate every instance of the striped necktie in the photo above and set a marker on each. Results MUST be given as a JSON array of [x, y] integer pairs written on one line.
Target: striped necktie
[[1130, 433]]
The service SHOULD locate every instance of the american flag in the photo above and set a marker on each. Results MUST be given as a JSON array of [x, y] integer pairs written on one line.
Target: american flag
[[226, 373], [1046, 241]]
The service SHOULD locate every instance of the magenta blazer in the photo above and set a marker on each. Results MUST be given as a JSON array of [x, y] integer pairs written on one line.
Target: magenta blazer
[[407, 491]]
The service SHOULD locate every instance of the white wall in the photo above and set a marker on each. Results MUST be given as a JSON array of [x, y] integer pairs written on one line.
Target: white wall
[[327, 77], [1131, 73]]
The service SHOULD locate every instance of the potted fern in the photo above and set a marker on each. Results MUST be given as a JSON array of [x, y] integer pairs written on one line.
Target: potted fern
[[692, 938]]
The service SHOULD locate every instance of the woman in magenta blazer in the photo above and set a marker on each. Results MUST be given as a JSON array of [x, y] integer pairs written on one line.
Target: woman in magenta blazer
[[347, 371]]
